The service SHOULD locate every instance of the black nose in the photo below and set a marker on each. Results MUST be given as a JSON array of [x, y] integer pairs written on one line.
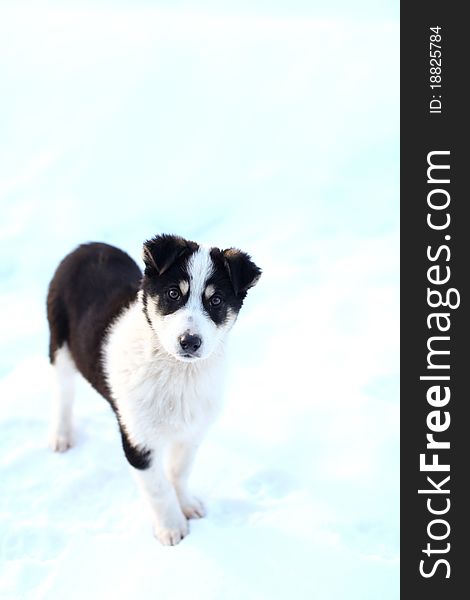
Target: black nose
[[190, 343]]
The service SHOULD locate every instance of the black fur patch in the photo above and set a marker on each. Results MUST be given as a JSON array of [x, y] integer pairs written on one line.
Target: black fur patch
[[244, 274], [162, 251], [146, 308], [232, 294], [172, 253], [90, 288], [139, 458]]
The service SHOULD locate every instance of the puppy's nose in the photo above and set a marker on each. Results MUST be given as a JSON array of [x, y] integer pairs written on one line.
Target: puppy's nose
[[190, 343]]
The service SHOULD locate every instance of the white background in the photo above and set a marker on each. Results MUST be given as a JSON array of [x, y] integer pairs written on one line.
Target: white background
[[271, 127]]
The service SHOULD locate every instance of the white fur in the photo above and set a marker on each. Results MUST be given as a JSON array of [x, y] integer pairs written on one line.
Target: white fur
[[166, 404], [60, 437]]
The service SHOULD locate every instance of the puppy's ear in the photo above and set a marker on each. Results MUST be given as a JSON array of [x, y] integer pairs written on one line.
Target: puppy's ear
[[243, 272], [162, 251]]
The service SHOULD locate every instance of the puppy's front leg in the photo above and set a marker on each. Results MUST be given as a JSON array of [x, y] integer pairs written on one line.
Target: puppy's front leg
[[181, 458], [171, 525]]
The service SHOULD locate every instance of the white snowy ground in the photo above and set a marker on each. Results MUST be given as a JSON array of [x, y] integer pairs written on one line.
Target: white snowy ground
[[232, 125]]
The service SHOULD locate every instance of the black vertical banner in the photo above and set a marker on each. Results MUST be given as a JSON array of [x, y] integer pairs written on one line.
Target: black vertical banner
[[435, 306]]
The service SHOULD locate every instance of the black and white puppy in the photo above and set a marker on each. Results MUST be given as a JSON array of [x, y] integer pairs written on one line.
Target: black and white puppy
[[153, 346]]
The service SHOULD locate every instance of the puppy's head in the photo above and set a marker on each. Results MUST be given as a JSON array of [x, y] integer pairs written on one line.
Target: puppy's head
[[192, 294]]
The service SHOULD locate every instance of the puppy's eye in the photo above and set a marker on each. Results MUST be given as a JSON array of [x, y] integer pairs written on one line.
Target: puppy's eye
[[173, 293], [215, 301]]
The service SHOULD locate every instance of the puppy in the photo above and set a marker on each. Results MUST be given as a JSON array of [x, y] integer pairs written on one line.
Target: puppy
[[153, 346]]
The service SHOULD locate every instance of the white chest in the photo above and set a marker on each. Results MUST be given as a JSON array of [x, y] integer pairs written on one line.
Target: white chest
[[154, 393], [175, 396]]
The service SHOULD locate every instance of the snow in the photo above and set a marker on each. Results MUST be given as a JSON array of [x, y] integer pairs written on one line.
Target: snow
[[273, 131]]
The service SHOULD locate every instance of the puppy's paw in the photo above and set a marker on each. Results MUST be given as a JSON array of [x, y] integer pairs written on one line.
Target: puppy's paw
[[193, 508], [60, 442], [172, 531]]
